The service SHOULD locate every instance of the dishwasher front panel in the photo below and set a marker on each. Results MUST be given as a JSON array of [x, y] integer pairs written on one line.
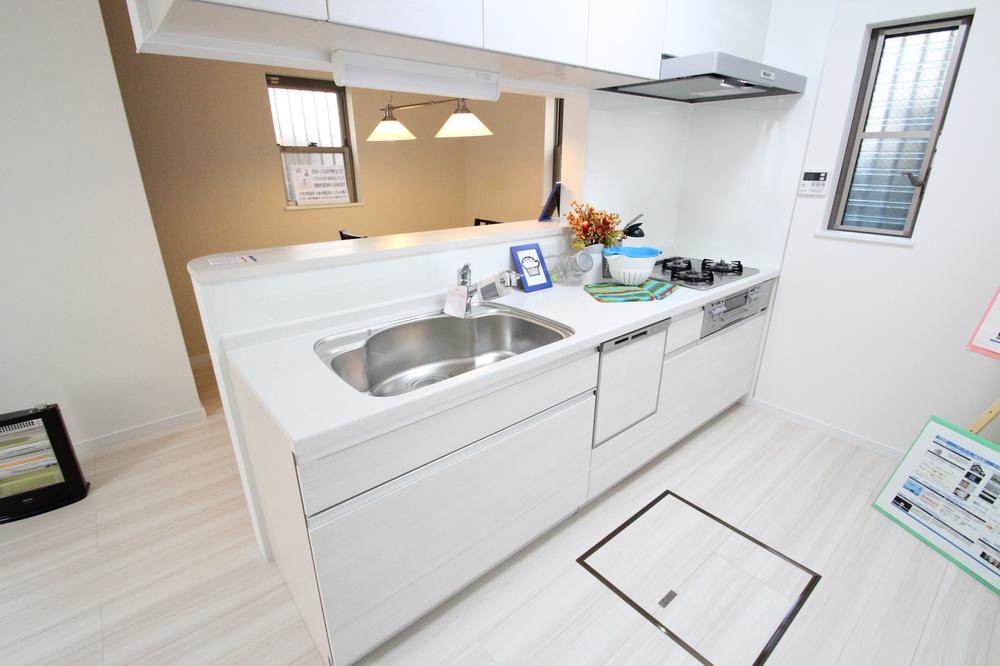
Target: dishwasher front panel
[[628, 384]]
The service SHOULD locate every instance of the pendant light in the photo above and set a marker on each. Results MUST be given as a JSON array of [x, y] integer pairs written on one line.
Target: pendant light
[[390, 129], [462, 123]]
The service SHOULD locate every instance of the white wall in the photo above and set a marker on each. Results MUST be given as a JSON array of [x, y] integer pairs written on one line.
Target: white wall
[[503, 173], [870, 338], [87, 317], [715, 179], [744, 156], [635, 161]]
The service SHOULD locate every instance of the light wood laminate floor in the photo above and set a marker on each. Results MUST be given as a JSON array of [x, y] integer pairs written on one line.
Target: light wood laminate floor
[[158, 565]]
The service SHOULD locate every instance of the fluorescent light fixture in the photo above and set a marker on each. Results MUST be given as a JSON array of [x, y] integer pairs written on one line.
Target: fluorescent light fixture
[[390, 129], [364, 70], [462, 123]]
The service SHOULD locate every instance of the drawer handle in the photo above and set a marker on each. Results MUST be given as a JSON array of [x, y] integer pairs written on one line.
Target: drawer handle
[[634, 336], [631, 338], [671, 595]]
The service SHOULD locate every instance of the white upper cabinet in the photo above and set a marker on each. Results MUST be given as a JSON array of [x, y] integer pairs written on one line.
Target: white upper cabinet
[[598, 43], [625, 36], [553, 30], [314, 9], [454, 21], [738, 27]]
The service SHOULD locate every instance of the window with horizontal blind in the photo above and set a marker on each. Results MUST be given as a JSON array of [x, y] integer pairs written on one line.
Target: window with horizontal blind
[[313, 137], [902, 101]]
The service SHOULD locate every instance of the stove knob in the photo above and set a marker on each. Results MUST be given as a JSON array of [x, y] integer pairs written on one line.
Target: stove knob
[[717, 310]]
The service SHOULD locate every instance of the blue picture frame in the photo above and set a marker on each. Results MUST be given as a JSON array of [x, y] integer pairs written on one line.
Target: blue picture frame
[[530, 265]]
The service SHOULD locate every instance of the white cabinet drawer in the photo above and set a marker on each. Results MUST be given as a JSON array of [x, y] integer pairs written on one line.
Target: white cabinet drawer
[[701, 381], [387, 557], [454, 21], [684, 330], [342, 475]]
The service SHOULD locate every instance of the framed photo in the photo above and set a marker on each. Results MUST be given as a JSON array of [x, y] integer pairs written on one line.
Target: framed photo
[[552, 203], [529, 262]]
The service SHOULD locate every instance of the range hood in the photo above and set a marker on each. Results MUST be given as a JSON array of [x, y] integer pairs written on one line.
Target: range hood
[[715, 76]]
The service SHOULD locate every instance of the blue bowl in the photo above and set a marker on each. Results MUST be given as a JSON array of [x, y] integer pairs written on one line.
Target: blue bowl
[[633, 252]]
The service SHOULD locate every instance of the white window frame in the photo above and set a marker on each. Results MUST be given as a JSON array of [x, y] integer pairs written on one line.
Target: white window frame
[[857, 133]]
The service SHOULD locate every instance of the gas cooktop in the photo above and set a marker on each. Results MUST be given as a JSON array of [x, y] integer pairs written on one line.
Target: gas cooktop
[[703, 273]]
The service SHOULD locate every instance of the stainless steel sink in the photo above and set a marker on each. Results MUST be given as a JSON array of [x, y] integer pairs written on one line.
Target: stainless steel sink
[[407, 355]]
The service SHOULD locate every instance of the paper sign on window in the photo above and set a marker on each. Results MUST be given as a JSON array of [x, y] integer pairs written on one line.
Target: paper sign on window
[[320, 184]]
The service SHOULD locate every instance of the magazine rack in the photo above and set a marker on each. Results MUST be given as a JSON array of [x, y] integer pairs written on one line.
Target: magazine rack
[[39, 470]]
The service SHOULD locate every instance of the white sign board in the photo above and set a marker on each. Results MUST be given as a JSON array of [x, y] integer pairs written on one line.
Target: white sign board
[[986, 339], [319, 184], [946, 492]]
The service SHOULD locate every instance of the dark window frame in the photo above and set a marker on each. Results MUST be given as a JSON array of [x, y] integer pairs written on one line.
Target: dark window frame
[[861, 108], [346, 150]]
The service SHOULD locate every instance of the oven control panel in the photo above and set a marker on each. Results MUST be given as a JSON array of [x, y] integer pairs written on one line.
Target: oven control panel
[[731, 309]]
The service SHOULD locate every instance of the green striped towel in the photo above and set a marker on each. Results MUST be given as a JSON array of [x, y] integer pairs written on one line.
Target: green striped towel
[[650, 290]]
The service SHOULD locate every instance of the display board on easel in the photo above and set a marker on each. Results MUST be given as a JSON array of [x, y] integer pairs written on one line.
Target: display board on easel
[[946, 492], [946, 489]]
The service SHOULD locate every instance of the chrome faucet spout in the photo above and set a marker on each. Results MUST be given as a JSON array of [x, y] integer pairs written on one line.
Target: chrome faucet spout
[[465, 280]]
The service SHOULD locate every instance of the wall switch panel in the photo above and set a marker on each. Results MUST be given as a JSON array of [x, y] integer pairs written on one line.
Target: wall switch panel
[[814, 183]]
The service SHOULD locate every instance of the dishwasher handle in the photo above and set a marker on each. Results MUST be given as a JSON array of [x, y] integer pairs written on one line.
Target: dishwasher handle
[[623, 341]]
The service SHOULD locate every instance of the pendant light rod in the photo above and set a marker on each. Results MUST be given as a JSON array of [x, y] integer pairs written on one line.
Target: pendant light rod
[[403, 107]]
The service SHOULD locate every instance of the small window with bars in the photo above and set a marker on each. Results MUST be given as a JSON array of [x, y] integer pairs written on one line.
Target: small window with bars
[[901, 107], [311, 129]]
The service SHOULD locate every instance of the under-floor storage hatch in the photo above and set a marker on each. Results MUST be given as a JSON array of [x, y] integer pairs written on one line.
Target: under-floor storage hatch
[[723, 596]]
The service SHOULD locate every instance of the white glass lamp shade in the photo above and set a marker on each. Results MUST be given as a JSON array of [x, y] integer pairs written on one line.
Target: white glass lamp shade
[[462, 123], [390, 129]]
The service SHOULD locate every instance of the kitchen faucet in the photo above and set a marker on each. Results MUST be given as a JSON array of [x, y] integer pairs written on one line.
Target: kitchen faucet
[[465, 280]]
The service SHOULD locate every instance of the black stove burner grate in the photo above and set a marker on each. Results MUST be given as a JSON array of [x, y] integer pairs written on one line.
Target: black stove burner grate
[[676, 263], [696, 277], [703, 273], [722, 266]]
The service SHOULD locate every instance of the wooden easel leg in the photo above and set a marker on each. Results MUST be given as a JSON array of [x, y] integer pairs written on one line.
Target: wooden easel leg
[[986, 417]]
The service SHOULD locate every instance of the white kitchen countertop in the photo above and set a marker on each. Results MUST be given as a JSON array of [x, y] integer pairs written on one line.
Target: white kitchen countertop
[[322, 414], [232, 266]]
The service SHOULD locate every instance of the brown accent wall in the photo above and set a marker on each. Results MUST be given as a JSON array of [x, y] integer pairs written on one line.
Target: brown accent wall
[[205, 144]]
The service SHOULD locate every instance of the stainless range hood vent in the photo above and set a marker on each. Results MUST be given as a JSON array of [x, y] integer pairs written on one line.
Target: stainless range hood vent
[[714, 76]]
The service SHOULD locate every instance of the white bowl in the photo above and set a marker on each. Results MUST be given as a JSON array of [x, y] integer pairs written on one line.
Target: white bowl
[[631, 277], [630, 271]]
